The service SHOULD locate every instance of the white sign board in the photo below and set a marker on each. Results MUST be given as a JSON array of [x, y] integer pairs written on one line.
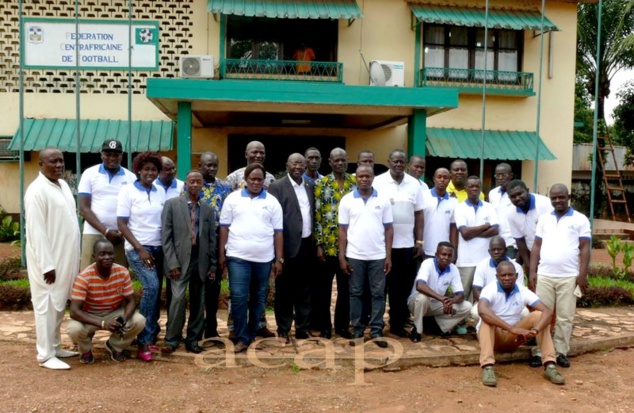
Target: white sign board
[[98, 44]]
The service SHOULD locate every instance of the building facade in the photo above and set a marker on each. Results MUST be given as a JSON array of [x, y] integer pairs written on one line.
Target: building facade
[[383, 74]]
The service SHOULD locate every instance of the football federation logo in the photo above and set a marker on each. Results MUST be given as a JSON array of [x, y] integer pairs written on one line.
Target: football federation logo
[[36, 34]]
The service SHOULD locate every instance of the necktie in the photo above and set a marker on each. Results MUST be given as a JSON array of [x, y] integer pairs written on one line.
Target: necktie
[[193, 224]]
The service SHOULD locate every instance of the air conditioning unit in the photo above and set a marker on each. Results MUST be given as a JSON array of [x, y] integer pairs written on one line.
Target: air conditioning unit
[[387, 73], [196, 67]]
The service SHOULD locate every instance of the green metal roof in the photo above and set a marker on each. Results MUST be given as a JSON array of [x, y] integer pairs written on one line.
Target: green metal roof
[[467, 143], [288, 9], [60, 133], [475, 17]]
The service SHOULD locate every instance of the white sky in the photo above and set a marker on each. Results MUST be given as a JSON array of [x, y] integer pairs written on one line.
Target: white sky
[[617, 82]]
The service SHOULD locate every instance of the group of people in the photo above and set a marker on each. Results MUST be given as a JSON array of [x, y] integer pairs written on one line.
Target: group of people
[[442, 252]]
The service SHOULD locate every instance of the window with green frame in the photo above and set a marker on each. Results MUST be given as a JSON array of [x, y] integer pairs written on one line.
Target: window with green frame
[[276, 40], [458, 47]]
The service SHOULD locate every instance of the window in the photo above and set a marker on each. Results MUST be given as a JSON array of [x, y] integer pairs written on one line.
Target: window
[[457, 47], [270, 42], [7, 155]]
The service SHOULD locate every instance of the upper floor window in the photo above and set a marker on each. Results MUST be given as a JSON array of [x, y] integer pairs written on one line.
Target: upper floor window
[[458, 47]]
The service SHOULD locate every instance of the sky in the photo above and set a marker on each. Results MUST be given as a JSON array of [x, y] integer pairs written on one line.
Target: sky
[[618, 81]]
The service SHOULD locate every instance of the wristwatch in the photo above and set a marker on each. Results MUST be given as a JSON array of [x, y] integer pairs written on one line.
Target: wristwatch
[[280, 260]]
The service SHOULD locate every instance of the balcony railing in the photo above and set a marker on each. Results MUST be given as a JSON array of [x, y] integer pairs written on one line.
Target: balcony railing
[[471, 80], [282, 70]]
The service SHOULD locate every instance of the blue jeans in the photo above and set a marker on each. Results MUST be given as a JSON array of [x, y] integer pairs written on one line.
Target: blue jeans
[[150, 300], [247, 277], [368, 273]]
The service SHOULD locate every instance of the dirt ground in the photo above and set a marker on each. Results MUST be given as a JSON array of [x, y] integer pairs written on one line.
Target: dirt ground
[[599, 382]]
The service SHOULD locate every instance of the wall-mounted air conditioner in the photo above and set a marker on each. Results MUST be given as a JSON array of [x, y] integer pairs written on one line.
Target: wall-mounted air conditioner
[[387, 73], [196, 67]]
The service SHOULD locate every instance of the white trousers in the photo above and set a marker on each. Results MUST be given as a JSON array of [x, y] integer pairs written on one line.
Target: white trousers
[[421, 306], [47, 332]]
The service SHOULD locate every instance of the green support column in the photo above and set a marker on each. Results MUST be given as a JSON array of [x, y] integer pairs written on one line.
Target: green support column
[[417, 133], [183, 139]]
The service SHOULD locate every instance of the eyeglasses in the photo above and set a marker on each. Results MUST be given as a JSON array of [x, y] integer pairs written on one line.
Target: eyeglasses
[[500, 175]]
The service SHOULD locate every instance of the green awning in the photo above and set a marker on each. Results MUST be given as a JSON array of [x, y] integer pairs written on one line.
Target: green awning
[[288, 9], [467, 143], [60, 133], [475, 17]]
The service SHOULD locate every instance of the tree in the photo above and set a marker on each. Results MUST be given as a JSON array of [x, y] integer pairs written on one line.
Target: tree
[[623, 128], [583, 114], [617, 45], [616, 53]]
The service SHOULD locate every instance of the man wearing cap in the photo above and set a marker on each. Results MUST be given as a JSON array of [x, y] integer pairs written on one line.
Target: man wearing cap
[[98, 190]]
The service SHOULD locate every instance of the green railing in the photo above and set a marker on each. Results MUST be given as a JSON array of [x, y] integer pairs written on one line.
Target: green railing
[[282, 70], [471, 80]]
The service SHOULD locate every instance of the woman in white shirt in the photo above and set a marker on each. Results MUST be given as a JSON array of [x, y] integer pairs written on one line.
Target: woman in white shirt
[[139, 208]]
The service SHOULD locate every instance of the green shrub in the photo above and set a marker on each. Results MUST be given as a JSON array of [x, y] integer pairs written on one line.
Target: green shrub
[[15, 295], [10, 269], [9, 230], [605, 296]]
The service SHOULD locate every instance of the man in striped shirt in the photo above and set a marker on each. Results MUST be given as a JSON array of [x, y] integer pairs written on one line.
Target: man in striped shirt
[[102, 299]]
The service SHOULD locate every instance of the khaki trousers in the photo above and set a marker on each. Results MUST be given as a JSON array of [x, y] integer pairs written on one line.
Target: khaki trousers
[[88, 242], [466, 277], [421, 306], [558, 293], [82, 334], [496, 339]]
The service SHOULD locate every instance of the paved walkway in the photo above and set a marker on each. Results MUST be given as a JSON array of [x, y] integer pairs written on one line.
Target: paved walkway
[[594, 329]]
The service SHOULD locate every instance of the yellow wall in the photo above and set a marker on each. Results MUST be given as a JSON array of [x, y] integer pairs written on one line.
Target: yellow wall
[[384, 33]]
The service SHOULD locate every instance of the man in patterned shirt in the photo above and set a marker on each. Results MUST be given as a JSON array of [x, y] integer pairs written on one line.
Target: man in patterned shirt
[[102, 299], [255, 152], [214, 193], [328, 192]]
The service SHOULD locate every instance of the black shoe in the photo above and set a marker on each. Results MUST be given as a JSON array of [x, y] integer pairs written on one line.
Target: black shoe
[[301, 335], [356, 339], [415, 336], [265, 333], [563, 361], [282, 334], [532, 342], [535, 361], [168, 348], [344, 333], [194, 348], [211, 334], [380, 342], [399, 332], [326, 334]]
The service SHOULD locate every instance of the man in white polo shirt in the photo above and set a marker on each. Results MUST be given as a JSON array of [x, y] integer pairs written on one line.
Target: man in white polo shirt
[[439, 214], [523, 217], [167, 179], [559, 263], [98, 189], [476, 222], [406, 196], [486, 271], [503, 328], [365, 247], [498, 197], [429, 293]]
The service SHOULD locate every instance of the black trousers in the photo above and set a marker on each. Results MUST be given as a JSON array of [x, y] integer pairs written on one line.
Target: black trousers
[[399, 285], [212, 294], [292, 289], [322, 296]]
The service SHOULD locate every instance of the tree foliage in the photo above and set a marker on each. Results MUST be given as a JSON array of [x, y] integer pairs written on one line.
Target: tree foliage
[[583, 114], [623, 128], [617, 45]]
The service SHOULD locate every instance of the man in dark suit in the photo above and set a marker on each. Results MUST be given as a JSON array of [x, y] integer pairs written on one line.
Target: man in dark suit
[[297, 197], [189, 238]]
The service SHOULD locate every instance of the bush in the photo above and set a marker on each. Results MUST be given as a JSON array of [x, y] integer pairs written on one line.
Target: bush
[[15, 295], [10, 269], [606, 296]]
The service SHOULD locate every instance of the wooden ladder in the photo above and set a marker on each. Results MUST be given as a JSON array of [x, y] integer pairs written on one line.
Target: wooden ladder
[[612, 180]]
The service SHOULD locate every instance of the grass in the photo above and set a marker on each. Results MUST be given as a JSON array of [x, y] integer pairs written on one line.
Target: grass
[[22, 283], [601, 282]]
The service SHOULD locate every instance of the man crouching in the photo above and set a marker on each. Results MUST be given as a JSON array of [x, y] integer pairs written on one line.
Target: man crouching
[[102, 299], [502, 327]]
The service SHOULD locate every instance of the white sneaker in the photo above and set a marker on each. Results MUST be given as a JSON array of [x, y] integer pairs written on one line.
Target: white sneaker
[[63, 353], [55, 364]]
